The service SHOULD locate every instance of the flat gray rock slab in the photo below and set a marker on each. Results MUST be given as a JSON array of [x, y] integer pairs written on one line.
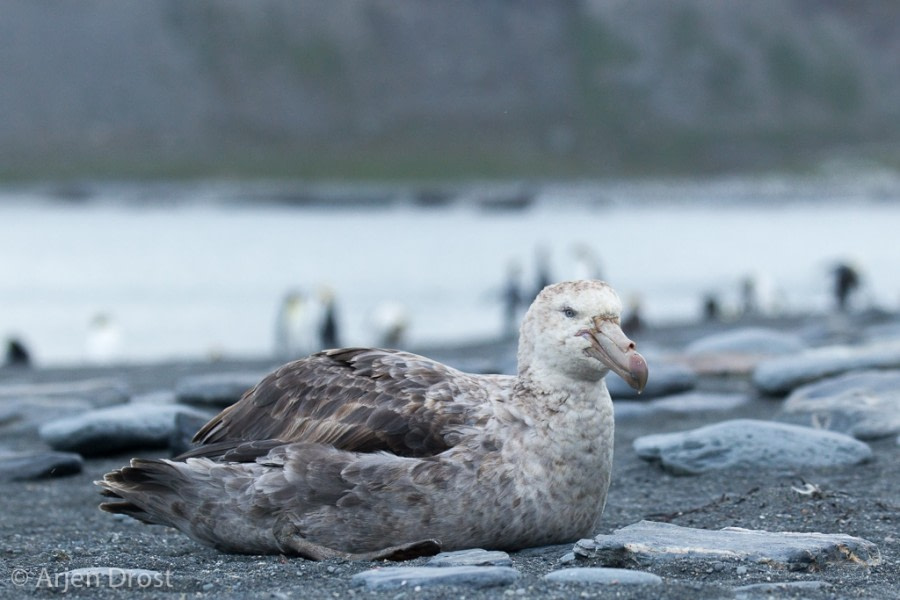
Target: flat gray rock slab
[[783, 374], [26, 406], [22, 466], [665, 379], [411, 577], [157, 397], [680, 404], [650, 543], [748, 443], [738, 351], [603, 576], [759, 341], [864, 404], [218, 390], [114, 429], [98, 392], [475, 557]]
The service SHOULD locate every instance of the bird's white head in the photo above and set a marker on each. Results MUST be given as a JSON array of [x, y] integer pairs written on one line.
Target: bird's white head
[[572, 328]]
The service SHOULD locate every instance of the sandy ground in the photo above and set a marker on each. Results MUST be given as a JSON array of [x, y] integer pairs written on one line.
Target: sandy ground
[[52, 526]]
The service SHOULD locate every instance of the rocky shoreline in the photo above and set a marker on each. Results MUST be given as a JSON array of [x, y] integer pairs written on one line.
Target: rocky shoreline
[[762, 462]]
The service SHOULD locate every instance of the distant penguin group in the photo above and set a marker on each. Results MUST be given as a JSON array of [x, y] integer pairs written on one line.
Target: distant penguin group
[[306, 324]]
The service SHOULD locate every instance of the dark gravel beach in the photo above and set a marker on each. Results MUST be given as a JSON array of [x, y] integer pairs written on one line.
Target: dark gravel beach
[[52, 526]]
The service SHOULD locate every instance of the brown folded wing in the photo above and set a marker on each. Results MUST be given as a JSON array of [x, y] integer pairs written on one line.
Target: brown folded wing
[[356, 399]]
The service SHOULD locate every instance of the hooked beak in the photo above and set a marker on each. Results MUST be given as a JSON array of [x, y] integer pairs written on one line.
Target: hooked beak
[[610, 346]]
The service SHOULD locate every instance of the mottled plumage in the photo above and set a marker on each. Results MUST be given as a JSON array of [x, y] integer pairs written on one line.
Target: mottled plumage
[[369, 453]]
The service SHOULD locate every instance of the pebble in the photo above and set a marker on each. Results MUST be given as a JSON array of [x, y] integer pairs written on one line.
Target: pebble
[[665, 379], [21, 466], [738, 351], [603, 576], [650, 543], [783, 374], [863, 404], [752, 444], [681, 404], [217, 390], [475, 557], [114, 429], [410, 577]]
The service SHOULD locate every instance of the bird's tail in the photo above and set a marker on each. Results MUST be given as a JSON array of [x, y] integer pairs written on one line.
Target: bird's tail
[[147, 489]]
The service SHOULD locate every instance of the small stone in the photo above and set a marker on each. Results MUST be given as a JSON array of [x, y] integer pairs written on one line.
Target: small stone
[[750, 444], [217, 390], [114, 429], [603, 576], [650, 543], [665, 379], [475, 557], [21, 466], [863, 404], [568, 557], [783, 374], [396, 577]]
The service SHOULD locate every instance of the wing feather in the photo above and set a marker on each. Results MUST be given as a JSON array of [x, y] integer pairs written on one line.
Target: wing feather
[[356, 399]]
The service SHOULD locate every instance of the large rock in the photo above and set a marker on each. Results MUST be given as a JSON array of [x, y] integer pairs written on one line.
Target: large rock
[[411, 577], [783, 374], [96, 392], [757, 341], [114, 429], [865, 405], [680, 404], [665, 379], [750, 444], [217, 390], [738, 351], [22, 466], [649, 543], [27, 406]]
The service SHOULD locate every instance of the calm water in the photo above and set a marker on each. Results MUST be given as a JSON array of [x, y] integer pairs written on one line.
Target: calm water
[[192, 277]]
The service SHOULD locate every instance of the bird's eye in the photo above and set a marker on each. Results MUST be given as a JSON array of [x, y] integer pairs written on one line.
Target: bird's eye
[[569, 312]]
